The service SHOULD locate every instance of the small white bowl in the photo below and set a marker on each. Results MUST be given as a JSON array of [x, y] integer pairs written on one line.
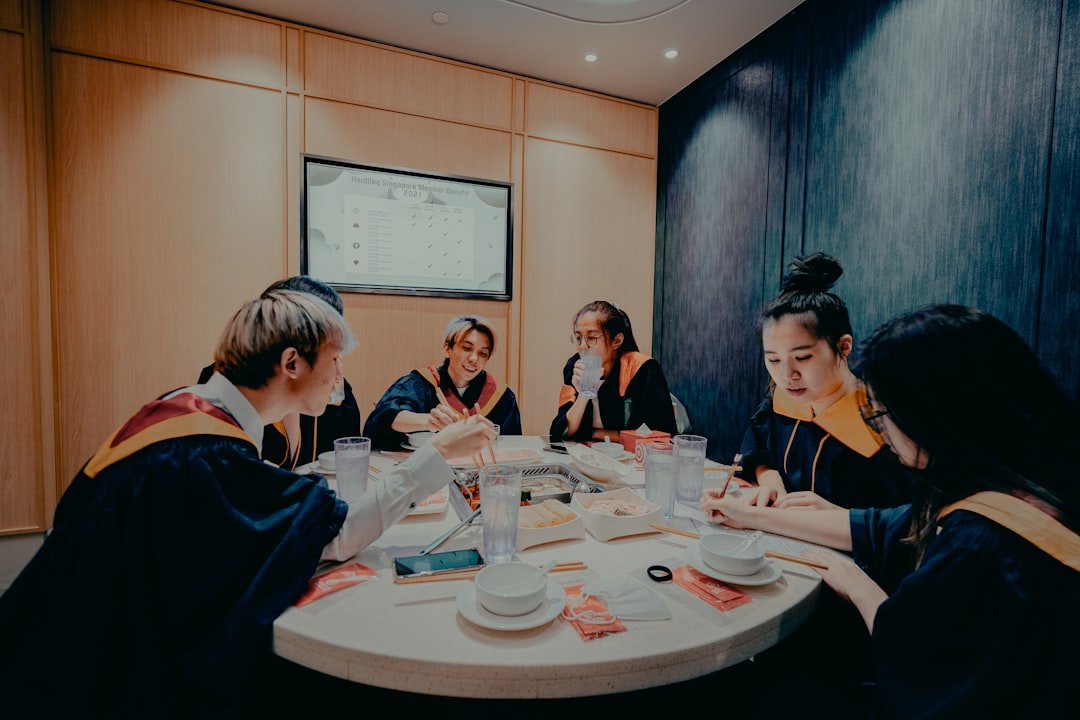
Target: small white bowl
[[510, 588], [731, 554], [597, 511], [597, 465], [612, 450], [326, 460], [419, 439]]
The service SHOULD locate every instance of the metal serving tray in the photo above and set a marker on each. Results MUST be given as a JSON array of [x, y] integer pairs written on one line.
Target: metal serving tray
[[547, 482]]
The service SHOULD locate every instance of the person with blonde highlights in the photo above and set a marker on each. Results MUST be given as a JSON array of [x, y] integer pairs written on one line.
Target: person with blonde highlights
[[431, 397], [176, 545]]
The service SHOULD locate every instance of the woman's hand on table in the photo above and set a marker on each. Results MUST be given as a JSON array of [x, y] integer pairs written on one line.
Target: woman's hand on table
[[850, 582], [805, 500], [770, 489], [727, 510]]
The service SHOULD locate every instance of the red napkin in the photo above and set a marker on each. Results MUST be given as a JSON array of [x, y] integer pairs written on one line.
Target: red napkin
[[339, 579], [720, 596], [594, 606]]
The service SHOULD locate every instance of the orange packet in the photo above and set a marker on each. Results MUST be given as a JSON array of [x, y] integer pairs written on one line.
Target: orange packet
[[720, 596], [597, 607], [339, 579]]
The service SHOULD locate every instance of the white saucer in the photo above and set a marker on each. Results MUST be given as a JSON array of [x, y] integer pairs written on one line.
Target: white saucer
[[475, 613], [770, 573]]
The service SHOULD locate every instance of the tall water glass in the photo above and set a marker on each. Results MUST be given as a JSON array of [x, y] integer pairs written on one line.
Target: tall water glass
[[500, 498], [590, 374], [352, 460], [661, 470], [690, 450]]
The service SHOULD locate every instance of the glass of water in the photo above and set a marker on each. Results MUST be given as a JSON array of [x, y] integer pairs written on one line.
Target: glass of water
[[690, 450], [661, 470], [500, 498], [352, 460]]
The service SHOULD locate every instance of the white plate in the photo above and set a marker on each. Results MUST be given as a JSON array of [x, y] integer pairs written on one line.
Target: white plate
[[314, 467], [435, 503], [770, 573], [621, 457], [476, 614]]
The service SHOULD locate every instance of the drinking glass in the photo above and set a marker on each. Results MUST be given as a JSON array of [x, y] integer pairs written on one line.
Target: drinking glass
[[661, 468], [690, 450], [500, 498], [352, 460], [590, 374]]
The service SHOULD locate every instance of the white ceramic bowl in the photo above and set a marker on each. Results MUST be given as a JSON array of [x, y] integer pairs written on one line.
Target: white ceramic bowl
[[418, 439], [731, 554], [596, 465], [326, 460], [598, 512], [530, 534], [510, 588]]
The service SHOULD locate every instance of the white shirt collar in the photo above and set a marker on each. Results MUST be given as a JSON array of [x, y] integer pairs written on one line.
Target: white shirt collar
[[223, 394]]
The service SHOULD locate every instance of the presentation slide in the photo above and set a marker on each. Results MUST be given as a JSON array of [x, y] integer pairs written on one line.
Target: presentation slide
[[371, 229]]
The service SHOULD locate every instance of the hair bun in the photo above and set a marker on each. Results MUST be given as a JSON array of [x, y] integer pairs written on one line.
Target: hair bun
[[817, 272]]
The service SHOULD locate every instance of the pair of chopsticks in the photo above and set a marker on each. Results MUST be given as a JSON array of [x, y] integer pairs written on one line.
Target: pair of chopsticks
[[768, 553], [471, 573], [479, 457]]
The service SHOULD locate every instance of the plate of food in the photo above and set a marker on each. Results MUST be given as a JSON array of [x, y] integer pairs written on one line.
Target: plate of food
[[617, 513], [434, 503], [597, 465], [546, 522]]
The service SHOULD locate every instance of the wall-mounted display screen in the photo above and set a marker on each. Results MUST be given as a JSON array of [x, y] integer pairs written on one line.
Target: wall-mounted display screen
[[366, 228]]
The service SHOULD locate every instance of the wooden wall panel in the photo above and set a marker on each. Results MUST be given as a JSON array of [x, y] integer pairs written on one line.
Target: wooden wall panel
[[588, 234], [193, 38], [368, 74], [11, 14], [168, 193], [928, 149], [1059, 321], [576, 117], [364, 134], [21, 489]]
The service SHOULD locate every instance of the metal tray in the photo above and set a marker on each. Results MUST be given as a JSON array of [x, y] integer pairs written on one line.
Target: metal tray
[[547, 482]]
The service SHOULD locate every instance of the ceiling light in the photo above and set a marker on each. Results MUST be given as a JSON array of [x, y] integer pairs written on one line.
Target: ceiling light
[[671, 53], [440, 18], [590, 57]]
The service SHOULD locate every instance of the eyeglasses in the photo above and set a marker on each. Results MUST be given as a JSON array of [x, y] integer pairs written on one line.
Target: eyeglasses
[[589, 340], [869, 416]]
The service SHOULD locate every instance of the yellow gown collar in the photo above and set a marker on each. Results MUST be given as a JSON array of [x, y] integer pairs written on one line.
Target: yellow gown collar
[[841, 420]]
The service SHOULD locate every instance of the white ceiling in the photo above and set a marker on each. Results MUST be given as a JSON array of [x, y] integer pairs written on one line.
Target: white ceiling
[[548, 39]]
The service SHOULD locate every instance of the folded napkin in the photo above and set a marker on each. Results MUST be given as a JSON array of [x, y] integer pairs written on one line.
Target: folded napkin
[[339, 579], [589, 615], [720, 596]]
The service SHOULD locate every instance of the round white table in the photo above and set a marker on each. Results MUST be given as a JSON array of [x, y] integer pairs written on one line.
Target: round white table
[[411, 637]]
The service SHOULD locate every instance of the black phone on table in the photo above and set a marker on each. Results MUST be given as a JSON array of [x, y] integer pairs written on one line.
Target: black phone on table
[[437, 562]]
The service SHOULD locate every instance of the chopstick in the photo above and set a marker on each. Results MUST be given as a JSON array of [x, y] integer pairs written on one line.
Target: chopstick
[[471, 573], [768, 553], [731, 473], [479, 458]]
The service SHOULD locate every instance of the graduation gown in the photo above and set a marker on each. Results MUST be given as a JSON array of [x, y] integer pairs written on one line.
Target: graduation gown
[[317, 434], [171, 554], [637, 393], [985, 627], [833, 454], [415, 392]]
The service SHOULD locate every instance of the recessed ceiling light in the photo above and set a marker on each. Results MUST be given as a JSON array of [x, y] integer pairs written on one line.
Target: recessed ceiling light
[[671, 53], [440, 18], [590, 57]]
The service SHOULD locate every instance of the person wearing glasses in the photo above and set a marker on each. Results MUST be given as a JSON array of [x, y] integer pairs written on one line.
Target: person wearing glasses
[[633, 390], [806, 445], [970, 592], [432, 397]]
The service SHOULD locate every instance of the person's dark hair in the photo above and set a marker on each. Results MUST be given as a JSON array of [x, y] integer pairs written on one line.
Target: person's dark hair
[[613, 321], [308, 284], [804, 293], [971, 394]]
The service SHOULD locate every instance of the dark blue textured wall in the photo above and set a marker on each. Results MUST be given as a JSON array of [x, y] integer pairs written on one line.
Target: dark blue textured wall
[[932, 146]]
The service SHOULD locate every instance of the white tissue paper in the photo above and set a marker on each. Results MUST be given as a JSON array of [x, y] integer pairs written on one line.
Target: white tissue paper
[[627, 599], [644, 430]]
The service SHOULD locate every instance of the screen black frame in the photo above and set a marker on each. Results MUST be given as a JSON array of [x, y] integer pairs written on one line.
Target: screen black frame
[[505, 293]]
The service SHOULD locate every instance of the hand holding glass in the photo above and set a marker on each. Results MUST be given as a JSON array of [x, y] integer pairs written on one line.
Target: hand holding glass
[[592, 368], [352, 460]]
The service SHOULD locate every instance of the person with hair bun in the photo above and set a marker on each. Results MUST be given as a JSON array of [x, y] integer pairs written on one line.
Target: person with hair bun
[[633, 390], [806, 445], [413, 402]]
